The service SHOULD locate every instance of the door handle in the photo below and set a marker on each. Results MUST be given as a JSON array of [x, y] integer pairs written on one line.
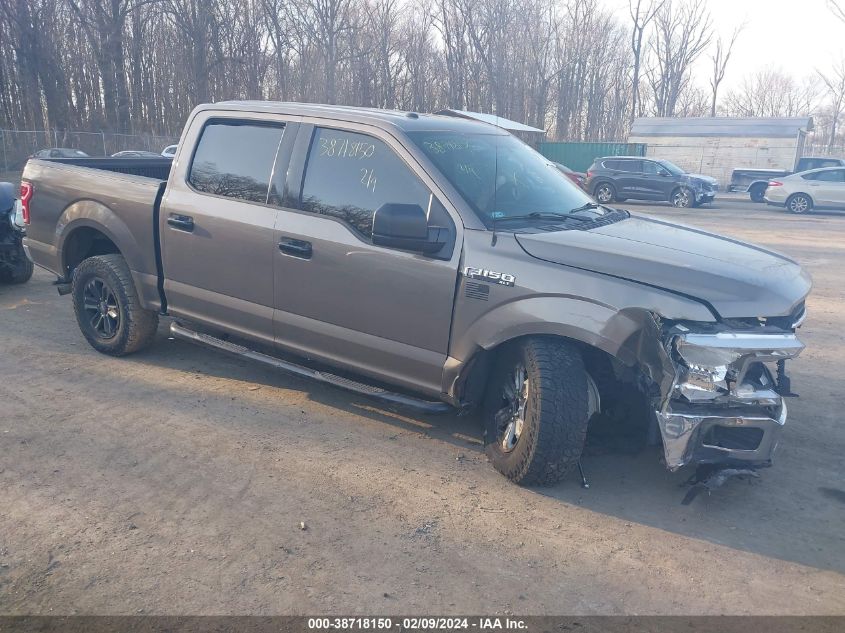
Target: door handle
[[296, 248], [181, 222]]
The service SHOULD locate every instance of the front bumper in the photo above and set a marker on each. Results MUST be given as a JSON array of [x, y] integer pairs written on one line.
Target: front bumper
[[724, 406], [726, 437]]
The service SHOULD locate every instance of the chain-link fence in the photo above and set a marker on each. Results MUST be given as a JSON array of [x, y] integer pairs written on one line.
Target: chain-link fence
[[16, 146]]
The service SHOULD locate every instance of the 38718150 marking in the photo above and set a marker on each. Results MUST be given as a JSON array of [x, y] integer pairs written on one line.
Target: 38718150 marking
[[351, 624]]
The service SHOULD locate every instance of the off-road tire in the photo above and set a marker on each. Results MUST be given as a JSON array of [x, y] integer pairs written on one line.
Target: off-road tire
[[794, 203], [136, 327], [20, 274], [555, 426], [604, 187], [757, 193]]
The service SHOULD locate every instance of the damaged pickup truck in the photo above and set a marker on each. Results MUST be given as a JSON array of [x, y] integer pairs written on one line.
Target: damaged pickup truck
[[429, 262]]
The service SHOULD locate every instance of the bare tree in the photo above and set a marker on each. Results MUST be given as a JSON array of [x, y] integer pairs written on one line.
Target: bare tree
[[834, 81], [720, 59], [642, 13], [771, 93], [561, 65], [325, 22], [682, 33]]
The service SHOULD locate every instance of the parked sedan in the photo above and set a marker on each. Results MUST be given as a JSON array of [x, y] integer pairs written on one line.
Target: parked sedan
[[618, 178], [814, 189], [579, 178], [59, 152], [135, 153]]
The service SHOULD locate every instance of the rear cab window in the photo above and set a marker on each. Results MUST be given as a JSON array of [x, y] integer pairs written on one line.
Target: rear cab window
[[235, 159]]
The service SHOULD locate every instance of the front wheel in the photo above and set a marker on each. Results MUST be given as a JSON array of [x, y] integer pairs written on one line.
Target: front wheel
[[799, 203], [536, 410], [108, 309], [682, 198]]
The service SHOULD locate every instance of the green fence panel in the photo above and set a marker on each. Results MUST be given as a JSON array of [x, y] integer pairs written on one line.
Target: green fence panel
[[579, 156]]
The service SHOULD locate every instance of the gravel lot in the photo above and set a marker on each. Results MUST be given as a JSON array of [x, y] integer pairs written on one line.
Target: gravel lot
[[177, 481]]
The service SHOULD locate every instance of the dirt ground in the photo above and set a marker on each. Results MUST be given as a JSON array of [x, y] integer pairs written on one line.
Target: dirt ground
[[177, 481]]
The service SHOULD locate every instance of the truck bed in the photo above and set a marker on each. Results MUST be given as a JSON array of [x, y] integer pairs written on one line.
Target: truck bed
[[741, 178], [158, 168], [71, 196]]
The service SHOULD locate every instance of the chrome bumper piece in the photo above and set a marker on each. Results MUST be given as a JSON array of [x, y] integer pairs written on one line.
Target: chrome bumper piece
[[724, 406]]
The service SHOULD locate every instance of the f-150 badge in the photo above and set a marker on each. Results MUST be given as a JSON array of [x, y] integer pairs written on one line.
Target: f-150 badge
[[503, 279]]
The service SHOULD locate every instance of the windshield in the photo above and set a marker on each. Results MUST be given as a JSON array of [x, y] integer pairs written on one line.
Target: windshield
[[499, 175], [672, 168]]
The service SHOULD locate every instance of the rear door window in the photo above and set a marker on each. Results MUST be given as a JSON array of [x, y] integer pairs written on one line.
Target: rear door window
[[235, 159], [350, 175], [632, 166]]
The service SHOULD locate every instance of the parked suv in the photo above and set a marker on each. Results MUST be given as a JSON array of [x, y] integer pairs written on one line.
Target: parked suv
[[617, 178]]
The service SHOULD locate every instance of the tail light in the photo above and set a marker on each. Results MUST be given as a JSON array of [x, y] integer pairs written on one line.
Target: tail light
[[26, 196], [775, 183], [589, 174]]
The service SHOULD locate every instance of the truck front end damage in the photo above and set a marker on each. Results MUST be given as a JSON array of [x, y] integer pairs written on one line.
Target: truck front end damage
[[726, 403]]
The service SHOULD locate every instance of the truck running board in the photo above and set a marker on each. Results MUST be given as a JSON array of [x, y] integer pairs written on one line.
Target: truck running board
[[423, 406]]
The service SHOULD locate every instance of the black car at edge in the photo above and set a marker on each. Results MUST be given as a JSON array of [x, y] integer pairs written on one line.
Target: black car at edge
[[618, 178]]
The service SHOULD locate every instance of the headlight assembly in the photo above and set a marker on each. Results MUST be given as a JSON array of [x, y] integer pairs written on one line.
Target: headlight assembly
[[717, 364]]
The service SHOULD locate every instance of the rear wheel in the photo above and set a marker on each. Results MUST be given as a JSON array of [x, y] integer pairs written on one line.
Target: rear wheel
[[757, 193], [605, 193], [536, 409], [108, 309], [799, 203]]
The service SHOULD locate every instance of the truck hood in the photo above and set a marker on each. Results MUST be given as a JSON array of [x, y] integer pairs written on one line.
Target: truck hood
[[735, 278]]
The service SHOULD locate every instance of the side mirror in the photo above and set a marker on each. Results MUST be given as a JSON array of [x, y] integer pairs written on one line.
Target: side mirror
[[403, 226], [663, 172]]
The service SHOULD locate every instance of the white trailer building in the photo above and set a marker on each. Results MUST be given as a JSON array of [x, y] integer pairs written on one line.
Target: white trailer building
[[716, 145]]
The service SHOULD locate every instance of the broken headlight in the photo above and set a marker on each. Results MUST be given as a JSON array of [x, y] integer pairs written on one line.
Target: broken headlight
[[729, 363]]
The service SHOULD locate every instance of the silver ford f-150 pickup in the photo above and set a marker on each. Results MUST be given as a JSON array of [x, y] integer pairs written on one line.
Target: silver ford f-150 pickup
[[431, 262]]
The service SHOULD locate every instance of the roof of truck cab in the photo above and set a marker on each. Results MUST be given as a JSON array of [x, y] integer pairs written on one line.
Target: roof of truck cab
[[401, 119]]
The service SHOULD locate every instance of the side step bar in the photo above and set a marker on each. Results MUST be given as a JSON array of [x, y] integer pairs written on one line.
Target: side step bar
[[423, 406]]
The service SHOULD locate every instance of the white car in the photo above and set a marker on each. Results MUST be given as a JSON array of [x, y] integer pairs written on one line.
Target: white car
[[814, 189], [169, 151]]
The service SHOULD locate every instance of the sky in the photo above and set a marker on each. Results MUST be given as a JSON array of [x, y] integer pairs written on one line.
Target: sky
[[796, 36]]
